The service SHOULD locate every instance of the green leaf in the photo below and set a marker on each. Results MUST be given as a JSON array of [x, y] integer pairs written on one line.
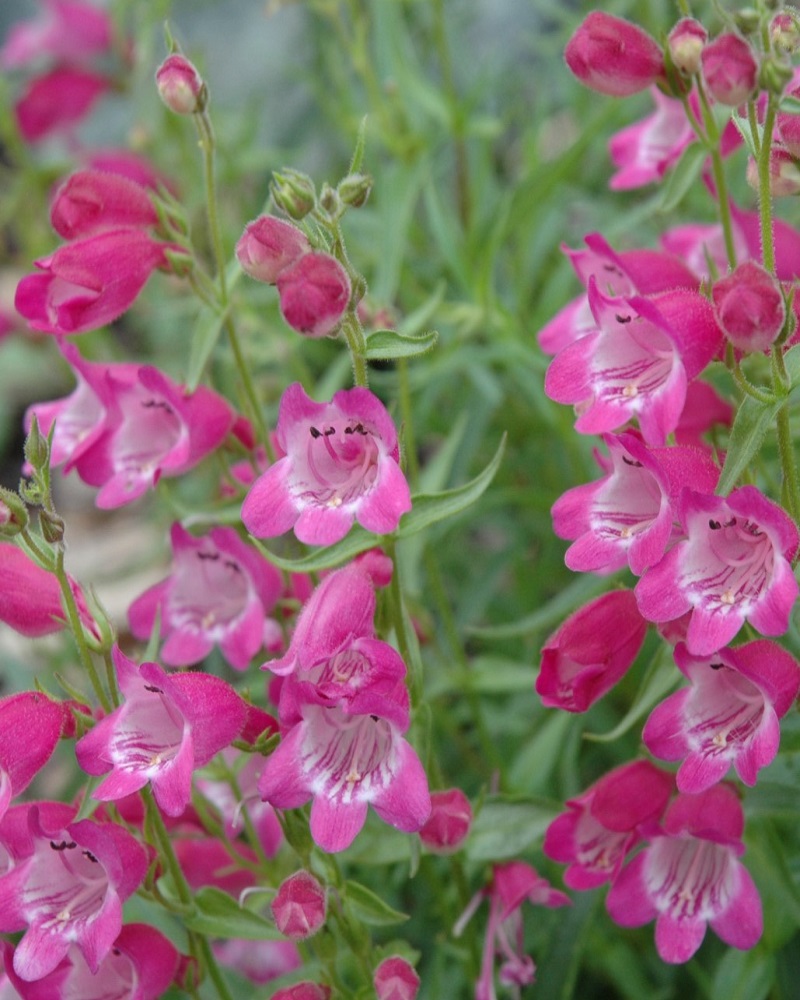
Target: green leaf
[[421, 316], [385, 345], [219, 915], [660, 678], [744, 975], [682, 179], [207, 330], [504, 828], [428, 508], [358, 540], [369, 907], [750, 427]]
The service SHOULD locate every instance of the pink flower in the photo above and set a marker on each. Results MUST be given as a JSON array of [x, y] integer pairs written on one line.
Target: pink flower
[[449, 822], [300, 906], [395, 979], [690, 876], [307, 990], [730, 69], [166, 727], [219, 593], [637, 363], [590, 652], [733, 566], [627, 517], [57, 101], [68, 891], [89, 282], [262, 964], [268, 246], [180, 86], [645, 151], [614, 56], [340, 465], [600, 826], [749, 306], [314, 293], [704, 407], [686, 42], [65, 29], [728, 715], [92, 200]]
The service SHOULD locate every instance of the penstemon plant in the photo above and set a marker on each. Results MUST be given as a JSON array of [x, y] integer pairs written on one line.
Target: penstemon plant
[[311, 757]]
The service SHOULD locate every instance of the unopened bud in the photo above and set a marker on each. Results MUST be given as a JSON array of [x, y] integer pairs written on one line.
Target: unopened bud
[[730, 69], [314, 294], [395, 979], [13, 513], [37, 450], [449, 821], [299, 908], [180, 85], [293, 193], [52, 526], [785, 32], [355, 189], [330, 201], [686, 42], [749, 306], [268, 246], [774, 75], [303, 991]]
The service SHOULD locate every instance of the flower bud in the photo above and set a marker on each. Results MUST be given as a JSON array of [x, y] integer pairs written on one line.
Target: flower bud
[[449, 822], [749, 306], [395, 979], [303, 991], [330, 201], [299, 907], [36, 449], [268, 246], [686, 42], [293, 193], [180, 85], [774, 75], [730, 69], [52, 526], [613, 56], [785, 32], [314, 294], [355, 189], [13, 513]]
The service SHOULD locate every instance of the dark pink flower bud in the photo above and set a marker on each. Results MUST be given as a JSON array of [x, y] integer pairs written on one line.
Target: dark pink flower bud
[[395, 979], [91, 200], [300, 906], [303, 991], [314, 293], [686, 42], [268, 246], [785, 32], [180, 85], [730, 69], [613, 56], [750, 307], [449, 823], [58, 101]]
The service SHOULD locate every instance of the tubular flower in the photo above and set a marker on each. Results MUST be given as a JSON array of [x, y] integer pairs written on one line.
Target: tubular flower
[[340, 465], [614, 56], [733, 566]]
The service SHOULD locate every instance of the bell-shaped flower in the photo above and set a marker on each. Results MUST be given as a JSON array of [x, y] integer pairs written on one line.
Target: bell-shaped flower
[[637, 363], [690, 876], [600, 827], [69, 891], [91, 281], [729, 715], [340, 464], [31, 725], [140, 966], [627, 517], [89, 201], [590, 652], [614, 56], [220, 592], [733, 566], [166, 728]]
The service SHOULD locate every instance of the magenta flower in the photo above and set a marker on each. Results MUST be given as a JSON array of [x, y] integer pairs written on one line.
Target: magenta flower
[[314, 293], [58, 100], [750, 307], [645, 151], [90, 282], [614, 56], [690, 876], [65, 29], [734, 566], [627, 517], [728, 715], [268, 961], [140, 966], [686, 42], [395, 979], [449, 823], [637, 363], [166, 727], [92, 200], [268, 246], [730, 69], [600, 826], [704, 407], [340, 465], [300, 906], [180, 86], [219, 593], [68, 891], [590, 652]]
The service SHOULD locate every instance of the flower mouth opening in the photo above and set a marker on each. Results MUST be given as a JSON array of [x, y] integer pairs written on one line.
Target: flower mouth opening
[[341, 464]]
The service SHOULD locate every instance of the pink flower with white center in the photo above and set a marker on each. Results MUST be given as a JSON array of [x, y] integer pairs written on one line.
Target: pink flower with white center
[[728, 715], [58, 100], [167, 727], [734, 566], [140, 966], [690, 876], [600, 827], [590, 652], [627, 517], [300, 906], [614, 56], [345, 762], [220, 592], [395, 979], [637, 363], [69, 891], [512, 883], [31, 725], [645, 151], [340, 464], [89, 201], [65, 29]]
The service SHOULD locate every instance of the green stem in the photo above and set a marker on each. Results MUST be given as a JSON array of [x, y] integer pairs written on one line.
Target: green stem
[[406, 416], [764, 188], [399, 621], [249, 389], [354, 335], [206, 134], [712, 136], [791, 483]]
